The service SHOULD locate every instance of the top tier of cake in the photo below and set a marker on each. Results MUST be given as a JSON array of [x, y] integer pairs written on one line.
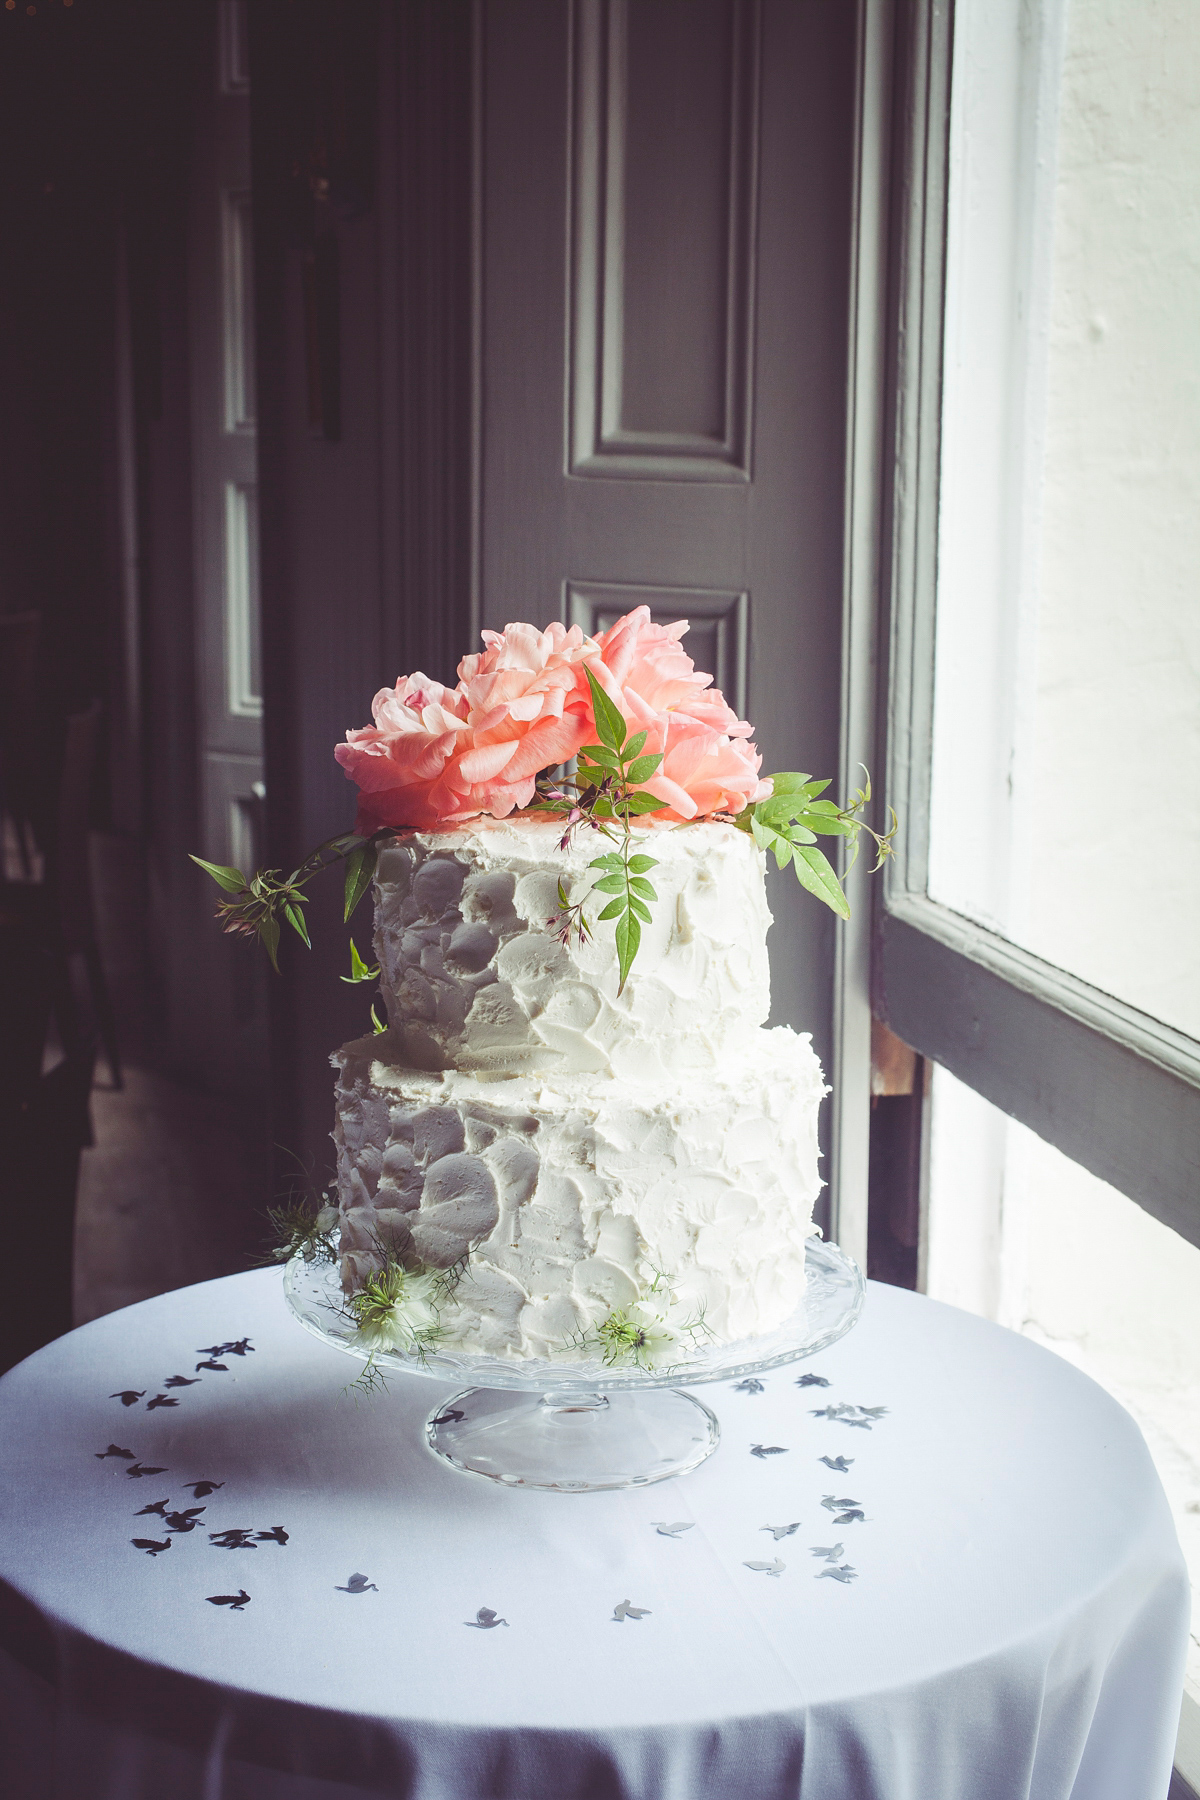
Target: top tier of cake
[[474, 978]]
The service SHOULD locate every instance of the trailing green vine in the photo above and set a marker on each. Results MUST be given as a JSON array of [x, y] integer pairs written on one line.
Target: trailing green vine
[[258, 902]]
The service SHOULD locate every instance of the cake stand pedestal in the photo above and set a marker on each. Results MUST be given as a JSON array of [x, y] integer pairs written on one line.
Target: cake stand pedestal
[[577, 1424]]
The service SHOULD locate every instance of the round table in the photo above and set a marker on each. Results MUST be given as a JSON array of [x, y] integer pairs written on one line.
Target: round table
[[935, 1563]]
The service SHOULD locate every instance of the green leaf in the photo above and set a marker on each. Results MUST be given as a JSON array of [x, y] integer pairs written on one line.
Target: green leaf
[[596, 753], [268, 931], [295, 919], [827, 825], [613, 909], [642, 769], [641, 802], [640, 908], [360, 866], [814, 873], [639, 864], [780, 811], [358, 968], [232, 880], [610, 861], [782, 849], [634, 746], [610, 726], [798, 834], [813, 788], [629, 936], [377, 1023], [762, 836], [611, 884], [639, 885], [787, 783]]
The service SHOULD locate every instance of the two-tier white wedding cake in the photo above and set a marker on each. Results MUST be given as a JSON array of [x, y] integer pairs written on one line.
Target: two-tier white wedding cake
[[571, 1152]]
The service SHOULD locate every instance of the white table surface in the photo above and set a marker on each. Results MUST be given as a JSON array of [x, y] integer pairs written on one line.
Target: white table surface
[[1015, 1628]]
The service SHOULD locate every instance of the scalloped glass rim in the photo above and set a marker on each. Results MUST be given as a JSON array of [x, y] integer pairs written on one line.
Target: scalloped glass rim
[[833, 1300]]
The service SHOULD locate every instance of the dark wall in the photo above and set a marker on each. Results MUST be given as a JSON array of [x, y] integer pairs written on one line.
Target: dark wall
[[89, 129], [361, 148], [58, 155]]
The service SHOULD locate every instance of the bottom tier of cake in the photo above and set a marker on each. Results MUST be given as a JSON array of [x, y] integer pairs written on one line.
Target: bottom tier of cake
[[574, 1211]]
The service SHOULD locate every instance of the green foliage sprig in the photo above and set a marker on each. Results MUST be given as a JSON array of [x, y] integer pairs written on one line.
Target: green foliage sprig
[[790, 821], [606, 791], [359, 971], [296, 1230], [258, 902]]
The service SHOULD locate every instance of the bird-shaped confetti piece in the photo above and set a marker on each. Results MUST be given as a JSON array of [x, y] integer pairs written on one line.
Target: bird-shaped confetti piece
[[276, 1535], [839, 1464], [221, 1368], [137, 1470], [160, 1400], [485, 1620], [181, 1381], [761, 1450], [781, 1531], [832, 1505], [159, 1507], [626, 1610], [672, 1531], [233, 1539], [113, 1450], [749, 1386], [830, 1552], [235, 1602], [844, 1573], [449, 1418], [358, 1584], [128, 1396], [184, 1521], [771, 1568], [150, 1545], [811, 1381], [202, 1489]]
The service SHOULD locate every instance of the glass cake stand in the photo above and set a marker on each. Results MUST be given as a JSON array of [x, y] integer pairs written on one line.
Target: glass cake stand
[[580, 1424]]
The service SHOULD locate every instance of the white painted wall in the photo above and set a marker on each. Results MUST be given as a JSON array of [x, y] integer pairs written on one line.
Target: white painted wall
[[1115, 768]]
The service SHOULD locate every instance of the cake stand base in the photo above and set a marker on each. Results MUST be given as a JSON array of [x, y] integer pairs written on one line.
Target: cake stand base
[[573, 1442]]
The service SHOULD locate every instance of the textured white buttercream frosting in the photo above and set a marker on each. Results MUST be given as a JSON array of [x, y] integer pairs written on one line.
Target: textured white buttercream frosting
[[574, 1145], [474, 978], [570, 1194]]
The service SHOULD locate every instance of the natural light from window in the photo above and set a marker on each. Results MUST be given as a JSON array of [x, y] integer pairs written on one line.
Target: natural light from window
[[1067, 722]]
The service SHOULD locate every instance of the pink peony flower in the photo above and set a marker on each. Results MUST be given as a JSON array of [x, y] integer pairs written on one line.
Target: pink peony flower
[[436, 755], [709, 765]]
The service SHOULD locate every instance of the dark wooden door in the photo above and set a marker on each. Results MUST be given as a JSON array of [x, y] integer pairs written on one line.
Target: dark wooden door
[[663, 291]]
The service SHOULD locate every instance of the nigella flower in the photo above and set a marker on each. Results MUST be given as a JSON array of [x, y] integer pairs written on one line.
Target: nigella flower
[[397, 1309]]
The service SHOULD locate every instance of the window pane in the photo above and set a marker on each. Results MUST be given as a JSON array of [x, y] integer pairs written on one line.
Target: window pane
[[1067, 699], [1019, 1233]]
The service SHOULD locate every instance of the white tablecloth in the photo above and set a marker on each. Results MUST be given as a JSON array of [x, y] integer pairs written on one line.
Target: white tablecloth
[[1012, 1625]]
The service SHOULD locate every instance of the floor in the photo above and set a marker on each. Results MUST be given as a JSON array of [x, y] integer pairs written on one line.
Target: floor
[[175, 1188]]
